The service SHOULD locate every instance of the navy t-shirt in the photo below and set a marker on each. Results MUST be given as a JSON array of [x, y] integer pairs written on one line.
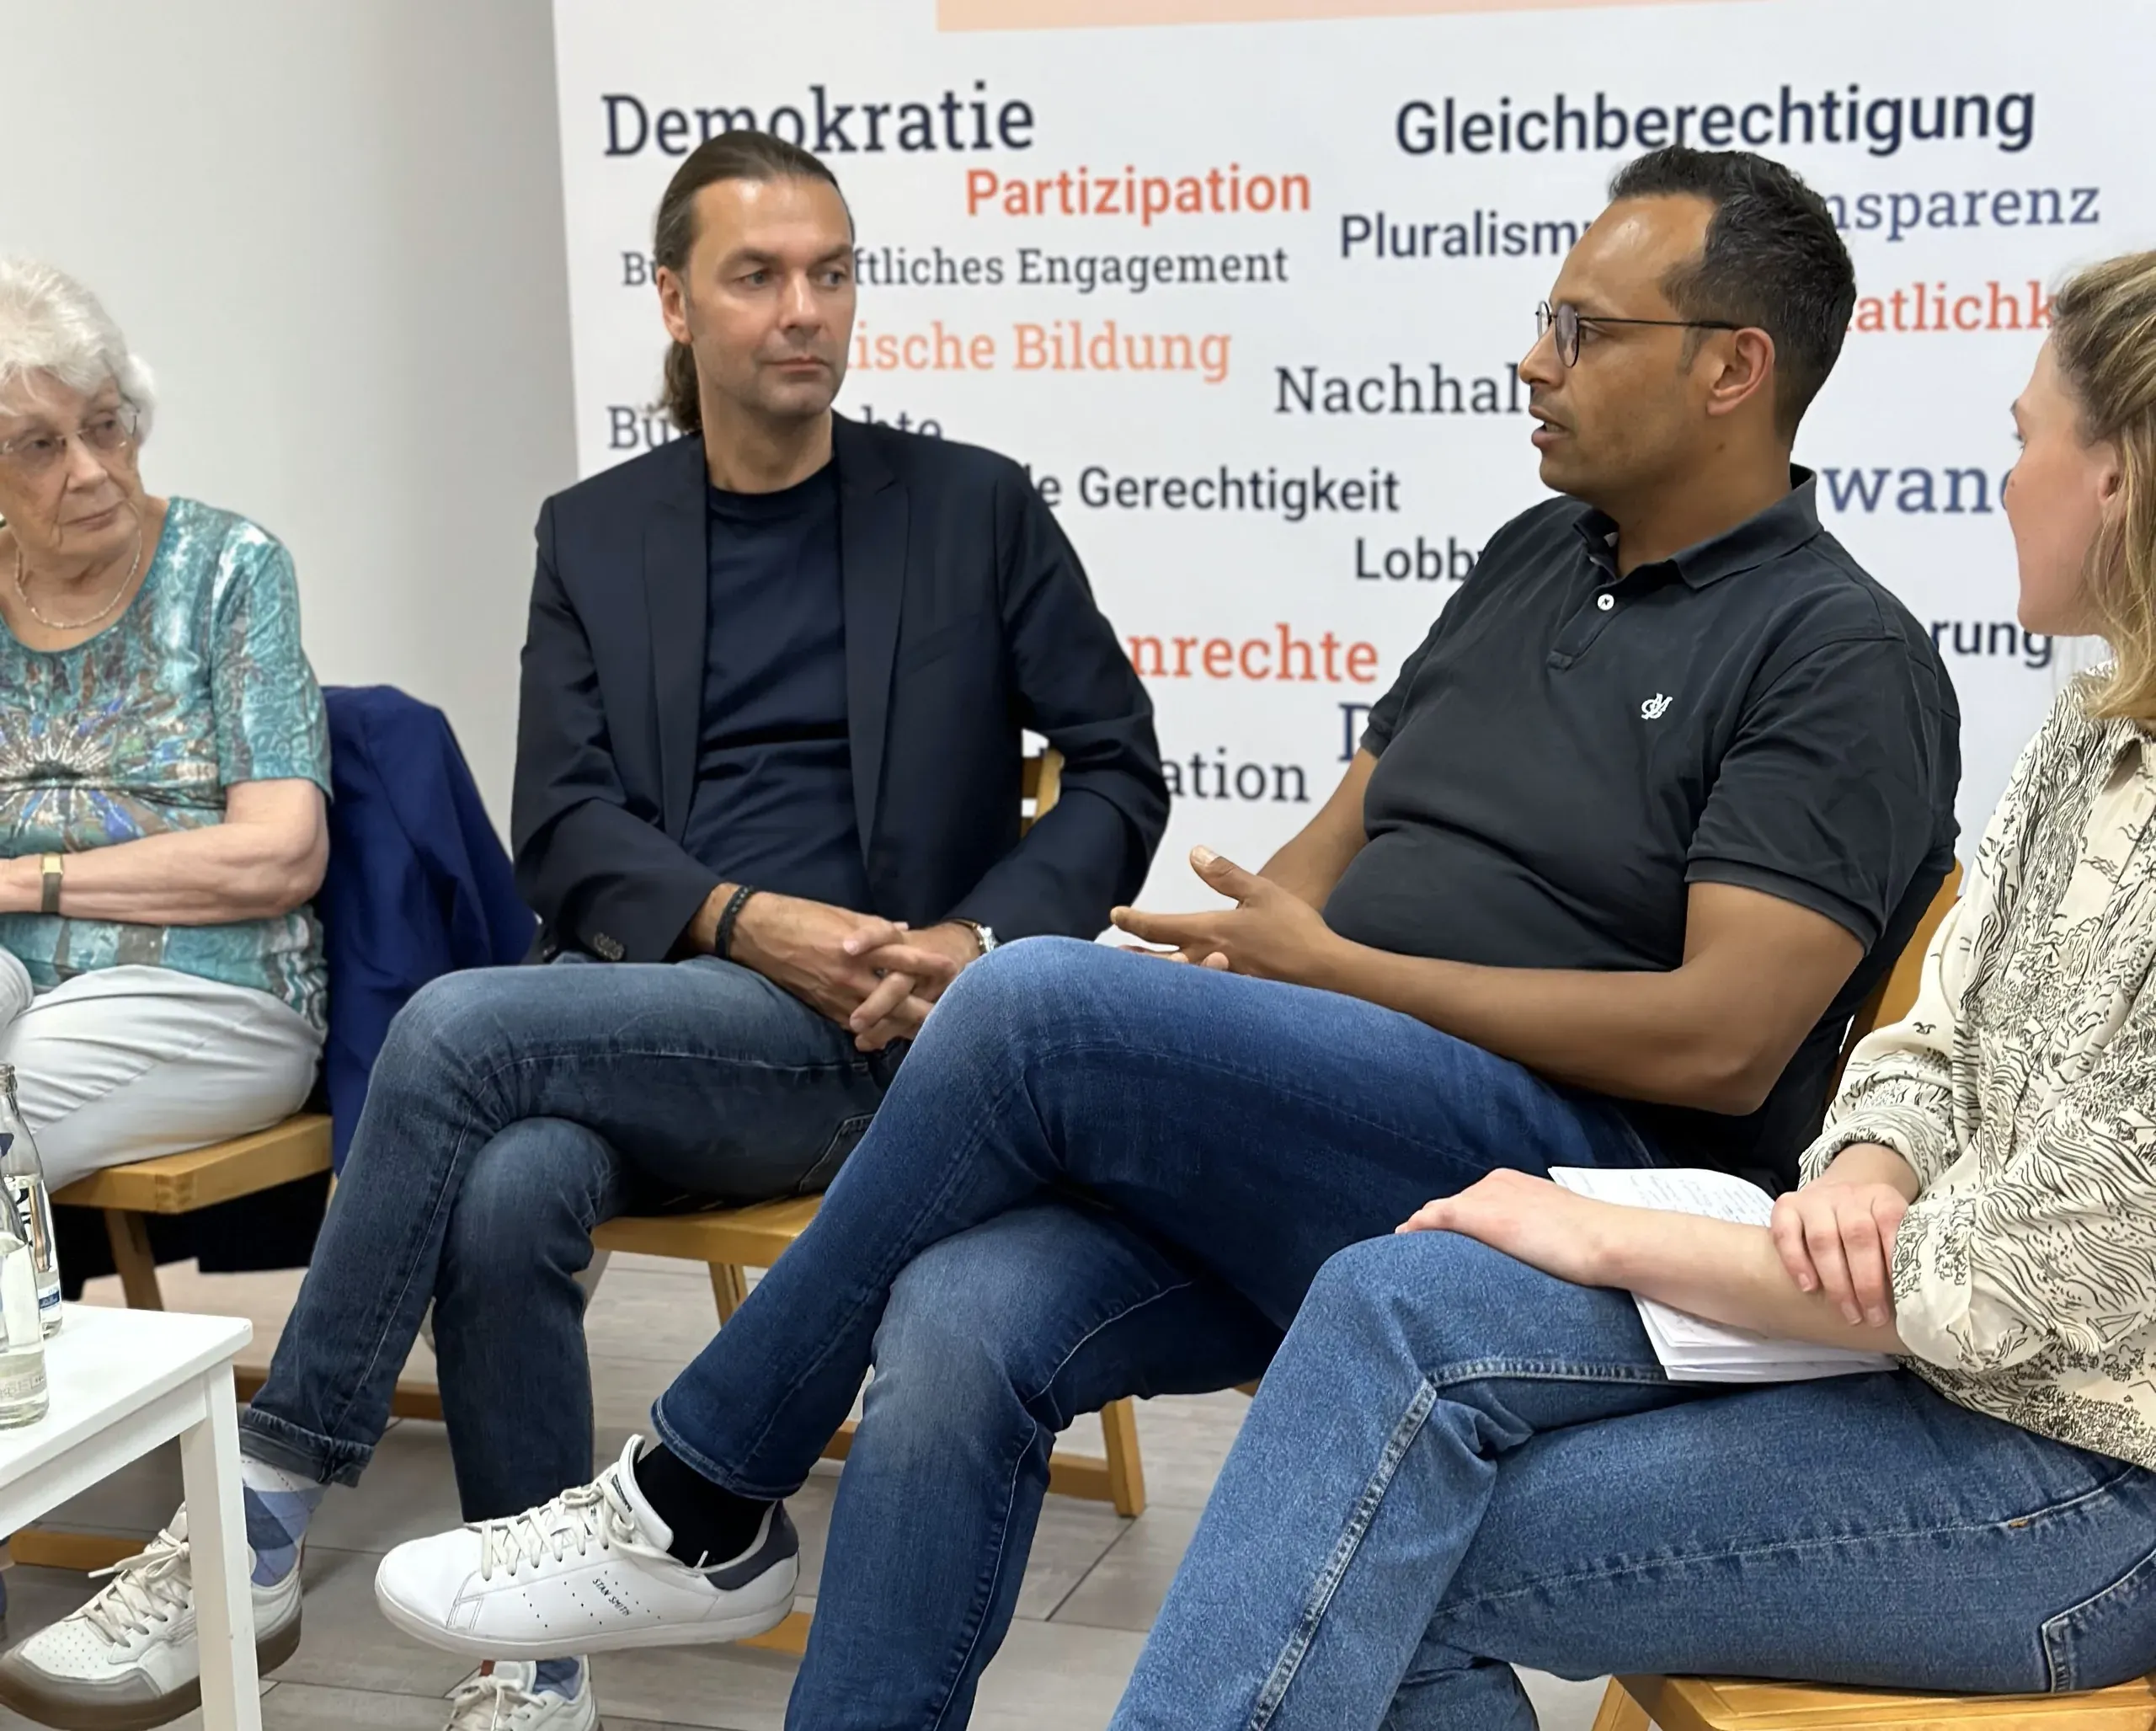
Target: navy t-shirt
[[1569, 752], [774, 798]]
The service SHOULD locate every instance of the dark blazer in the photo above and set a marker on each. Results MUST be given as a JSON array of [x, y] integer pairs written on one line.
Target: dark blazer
[[968, 617]]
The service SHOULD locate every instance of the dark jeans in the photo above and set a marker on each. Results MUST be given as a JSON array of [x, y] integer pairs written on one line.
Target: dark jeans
[[512, 1110], [1098, 1175]]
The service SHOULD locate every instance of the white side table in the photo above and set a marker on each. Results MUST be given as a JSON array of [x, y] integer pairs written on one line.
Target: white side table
[[124, 1381]]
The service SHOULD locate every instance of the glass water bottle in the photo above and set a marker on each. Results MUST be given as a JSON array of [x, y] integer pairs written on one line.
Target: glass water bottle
[[24, 1174], [23, 1397]]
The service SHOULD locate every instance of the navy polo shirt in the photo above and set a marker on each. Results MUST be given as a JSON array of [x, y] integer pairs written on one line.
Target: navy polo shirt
[[1568, 751], [774, 800]]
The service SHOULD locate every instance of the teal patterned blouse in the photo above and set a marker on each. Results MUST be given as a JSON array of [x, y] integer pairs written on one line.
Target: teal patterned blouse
[[201, 684]]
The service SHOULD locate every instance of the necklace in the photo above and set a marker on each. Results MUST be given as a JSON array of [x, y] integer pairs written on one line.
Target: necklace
[[22, 593]]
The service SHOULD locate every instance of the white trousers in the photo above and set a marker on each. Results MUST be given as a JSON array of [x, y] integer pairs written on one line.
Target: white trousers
[[128, 1063]]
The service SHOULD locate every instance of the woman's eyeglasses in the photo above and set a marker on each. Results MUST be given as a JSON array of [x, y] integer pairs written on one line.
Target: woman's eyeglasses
[[34, 455]]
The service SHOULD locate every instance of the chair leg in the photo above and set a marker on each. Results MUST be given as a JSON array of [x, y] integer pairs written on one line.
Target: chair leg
[[412, 1397], [790, 1637], [593, 1272], [1118, 1477], [729, 1285], [42, 1547], [129, 1234], [1126, 1470], [1618, 1712]]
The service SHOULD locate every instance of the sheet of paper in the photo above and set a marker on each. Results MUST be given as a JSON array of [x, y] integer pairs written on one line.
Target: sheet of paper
[[1719, 1195], [1691, 1348]]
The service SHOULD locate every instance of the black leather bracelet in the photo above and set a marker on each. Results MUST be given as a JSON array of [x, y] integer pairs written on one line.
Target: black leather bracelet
[[722, 944]]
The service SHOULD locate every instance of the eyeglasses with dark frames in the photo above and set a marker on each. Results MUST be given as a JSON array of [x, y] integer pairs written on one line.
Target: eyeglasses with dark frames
[[1568, 321]]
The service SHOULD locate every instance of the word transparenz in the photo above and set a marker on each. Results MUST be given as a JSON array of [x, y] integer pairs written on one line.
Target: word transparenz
[[1284, 656], [1059, 345], [1880, 123], [1903, 213], [1217, 192], [839, 128]]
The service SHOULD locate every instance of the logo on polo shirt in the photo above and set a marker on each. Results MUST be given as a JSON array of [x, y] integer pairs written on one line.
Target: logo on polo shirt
[[1655, 707]]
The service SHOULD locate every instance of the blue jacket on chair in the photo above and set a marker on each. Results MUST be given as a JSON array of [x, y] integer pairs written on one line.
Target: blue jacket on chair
[[417, 886]]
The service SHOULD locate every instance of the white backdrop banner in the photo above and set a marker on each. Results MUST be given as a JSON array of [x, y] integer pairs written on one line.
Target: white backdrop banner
[[1243, 282]]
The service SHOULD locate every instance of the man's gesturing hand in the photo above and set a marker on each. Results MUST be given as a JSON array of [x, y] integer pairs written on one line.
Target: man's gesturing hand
[[835, 961], [1269, 933]]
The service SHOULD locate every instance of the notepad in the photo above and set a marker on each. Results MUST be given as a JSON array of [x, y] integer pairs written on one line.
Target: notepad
[[1691, 1348]]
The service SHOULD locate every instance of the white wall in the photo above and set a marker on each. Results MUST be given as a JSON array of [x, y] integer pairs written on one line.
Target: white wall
[[333, 227]]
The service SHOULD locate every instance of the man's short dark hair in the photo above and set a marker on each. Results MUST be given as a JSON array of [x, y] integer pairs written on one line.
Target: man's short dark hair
[[741, 155], [1772, 258]]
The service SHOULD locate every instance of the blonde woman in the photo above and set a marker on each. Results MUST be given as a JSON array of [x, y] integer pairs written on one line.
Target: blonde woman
[[1466, 1457]]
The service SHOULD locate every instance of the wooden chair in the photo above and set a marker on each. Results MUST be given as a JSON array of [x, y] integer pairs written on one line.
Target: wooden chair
[[1896, 994], [181, 1183], [1709, 1704], [730, 1241], [1725, 1704]]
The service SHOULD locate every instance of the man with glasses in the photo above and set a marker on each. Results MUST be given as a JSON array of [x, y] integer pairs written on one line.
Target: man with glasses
[[1637, 827]]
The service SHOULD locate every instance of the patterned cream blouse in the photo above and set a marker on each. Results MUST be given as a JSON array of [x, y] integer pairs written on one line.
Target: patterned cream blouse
[[2022, 1090]]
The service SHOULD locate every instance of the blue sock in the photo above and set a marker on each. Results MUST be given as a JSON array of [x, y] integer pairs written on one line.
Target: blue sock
[[279, 1505], [564, 1676]]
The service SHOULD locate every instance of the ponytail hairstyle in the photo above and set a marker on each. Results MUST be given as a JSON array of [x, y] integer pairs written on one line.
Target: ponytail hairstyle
[[730, 155], [2104, 339]]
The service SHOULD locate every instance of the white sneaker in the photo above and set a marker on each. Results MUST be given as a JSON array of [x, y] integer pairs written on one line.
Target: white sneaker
[[587, 1573], [128, 1659], [505, 1697]]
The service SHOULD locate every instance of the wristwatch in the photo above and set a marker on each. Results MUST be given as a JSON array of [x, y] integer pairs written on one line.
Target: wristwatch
[[985, 935], [51, 868]]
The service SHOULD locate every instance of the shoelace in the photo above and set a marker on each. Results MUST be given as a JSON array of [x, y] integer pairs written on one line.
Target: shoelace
[[592, 1514], [147, 1587], [495, 1697]]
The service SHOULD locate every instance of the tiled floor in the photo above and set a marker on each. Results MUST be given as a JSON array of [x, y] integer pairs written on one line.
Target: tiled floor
[[1094, 1584]]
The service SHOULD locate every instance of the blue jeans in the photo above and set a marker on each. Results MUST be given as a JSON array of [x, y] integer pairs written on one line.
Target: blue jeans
[[1098, 1175], [1458, 1464], [511, 1110]]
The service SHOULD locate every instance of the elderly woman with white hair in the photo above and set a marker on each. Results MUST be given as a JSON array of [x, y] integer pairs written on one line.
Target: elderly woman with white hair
[[163, 763]]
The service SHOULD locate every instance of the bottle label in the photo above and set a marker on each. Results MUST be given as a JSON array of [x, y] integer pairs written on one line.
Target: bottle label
[[35, 1213], [18, 1300], [20, 1388]]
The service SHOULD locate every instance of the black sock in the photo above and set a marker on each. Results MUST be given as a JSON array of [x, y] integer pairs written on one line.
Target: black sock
[[711, 1524]]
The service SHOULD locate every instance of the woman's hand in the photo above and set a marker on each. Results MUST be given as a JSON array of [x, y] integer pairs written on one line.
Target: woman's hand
[[1544, 1224], [1836, 1235], [1718, 1269]]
